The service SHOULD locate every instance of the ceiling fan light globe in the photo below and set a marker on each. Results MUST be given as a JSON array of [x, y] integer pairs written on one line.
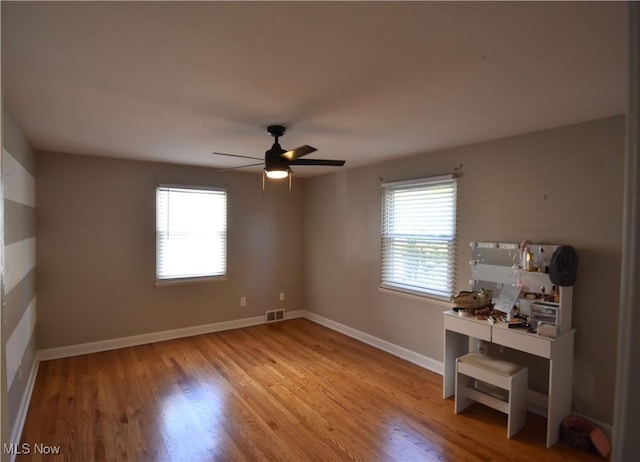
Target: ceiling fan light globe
[[275, 174]]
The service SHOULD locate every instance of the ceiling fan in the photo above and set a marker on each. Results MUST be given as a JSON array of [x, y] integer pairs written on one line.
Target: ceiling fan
[[277, 161]]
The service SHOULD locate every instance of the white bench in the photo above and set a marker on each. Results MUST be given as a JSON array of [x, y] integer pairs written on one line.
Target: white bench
[[475, 370]]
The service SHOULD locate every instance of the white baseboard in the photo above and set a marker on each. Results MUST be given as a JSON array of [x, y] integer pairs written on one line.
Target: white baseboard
[[18, 425], [295, 314], [122, 342], [392, 348]]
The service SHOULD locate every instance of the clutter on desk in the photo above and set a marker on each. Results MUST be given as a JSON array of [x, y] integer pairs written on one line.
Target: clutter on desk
[[546, 330], [471, 303], [543, 313], [542, 295], [471, 299], [537, 279], [507, 298], [500, 318]]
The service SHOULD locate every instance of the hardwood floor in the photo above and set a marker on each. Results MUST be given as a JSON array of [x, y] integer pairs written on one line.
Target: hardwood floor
[[293, 391]]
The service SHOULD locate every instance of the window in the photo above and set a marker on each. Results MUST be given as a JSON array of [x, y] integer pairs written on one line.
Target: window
[[191, 232], [418, 236]]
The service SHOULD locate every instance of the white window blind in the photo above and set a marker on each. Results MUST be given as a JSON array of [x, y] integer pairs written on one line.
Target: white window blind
[[418, 236], [191, 232]]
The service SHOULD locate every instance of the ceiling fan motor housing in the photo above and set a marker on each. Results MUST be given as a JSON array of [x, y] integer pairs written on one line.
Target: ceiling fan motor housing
[[273, 158]]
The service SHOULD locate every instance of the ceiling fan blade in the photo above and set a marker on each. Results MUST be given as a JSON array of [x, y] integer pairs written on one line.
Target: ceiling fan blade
[[298, 152], [242, 166], [236, 155], [326, 162]]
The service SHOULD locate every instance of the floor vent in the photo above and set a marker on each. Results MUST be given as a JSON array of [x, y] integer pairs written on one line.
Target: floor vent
[[274, 315]]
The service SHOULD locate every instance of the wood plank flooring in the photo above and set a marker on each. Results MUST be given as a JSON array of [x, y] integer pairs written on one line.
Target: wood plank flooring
[[291, 391]]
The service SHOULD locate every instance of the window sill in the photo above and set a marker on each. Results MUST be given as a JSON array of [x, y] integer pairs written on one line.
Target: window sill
[[183, 281], [432, 300]]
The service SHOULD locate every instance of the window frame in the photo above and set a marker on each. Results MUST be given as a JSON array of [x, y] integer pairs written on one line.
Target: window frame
[[449, 240], [177, 279]]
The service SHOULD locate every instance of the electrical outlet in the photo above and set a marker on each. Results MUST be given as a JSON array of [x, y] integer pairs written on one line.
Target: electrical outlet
[[243, 301], [281, 296]]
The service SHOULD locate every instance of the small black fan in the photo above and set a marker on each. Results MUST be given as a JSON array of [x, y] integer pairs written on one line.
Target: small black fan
[[277, 161]]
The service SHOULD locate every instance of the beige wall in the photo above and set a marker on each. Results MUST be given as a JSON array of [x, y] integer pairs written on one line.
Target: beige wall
[[96, 250], [556, 186]]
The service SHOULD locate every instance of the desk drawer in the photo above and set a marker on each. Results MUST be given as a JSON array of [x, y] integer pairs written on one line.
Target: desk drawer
[[472, 328], [522, 341]]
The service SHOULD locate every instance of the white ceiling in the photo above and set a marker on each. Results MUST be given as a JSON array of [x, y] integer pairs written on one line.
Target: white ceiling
[[361, 81]]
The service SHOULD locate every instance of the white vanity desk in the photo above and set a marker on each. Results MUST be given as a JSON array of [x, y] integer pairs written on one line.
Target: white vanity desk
[[558, 351]]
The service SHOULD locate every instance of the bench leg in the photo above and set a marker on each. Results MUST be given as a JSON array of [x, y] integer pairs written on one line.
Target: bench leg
[[517, 415], [462, 383]]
